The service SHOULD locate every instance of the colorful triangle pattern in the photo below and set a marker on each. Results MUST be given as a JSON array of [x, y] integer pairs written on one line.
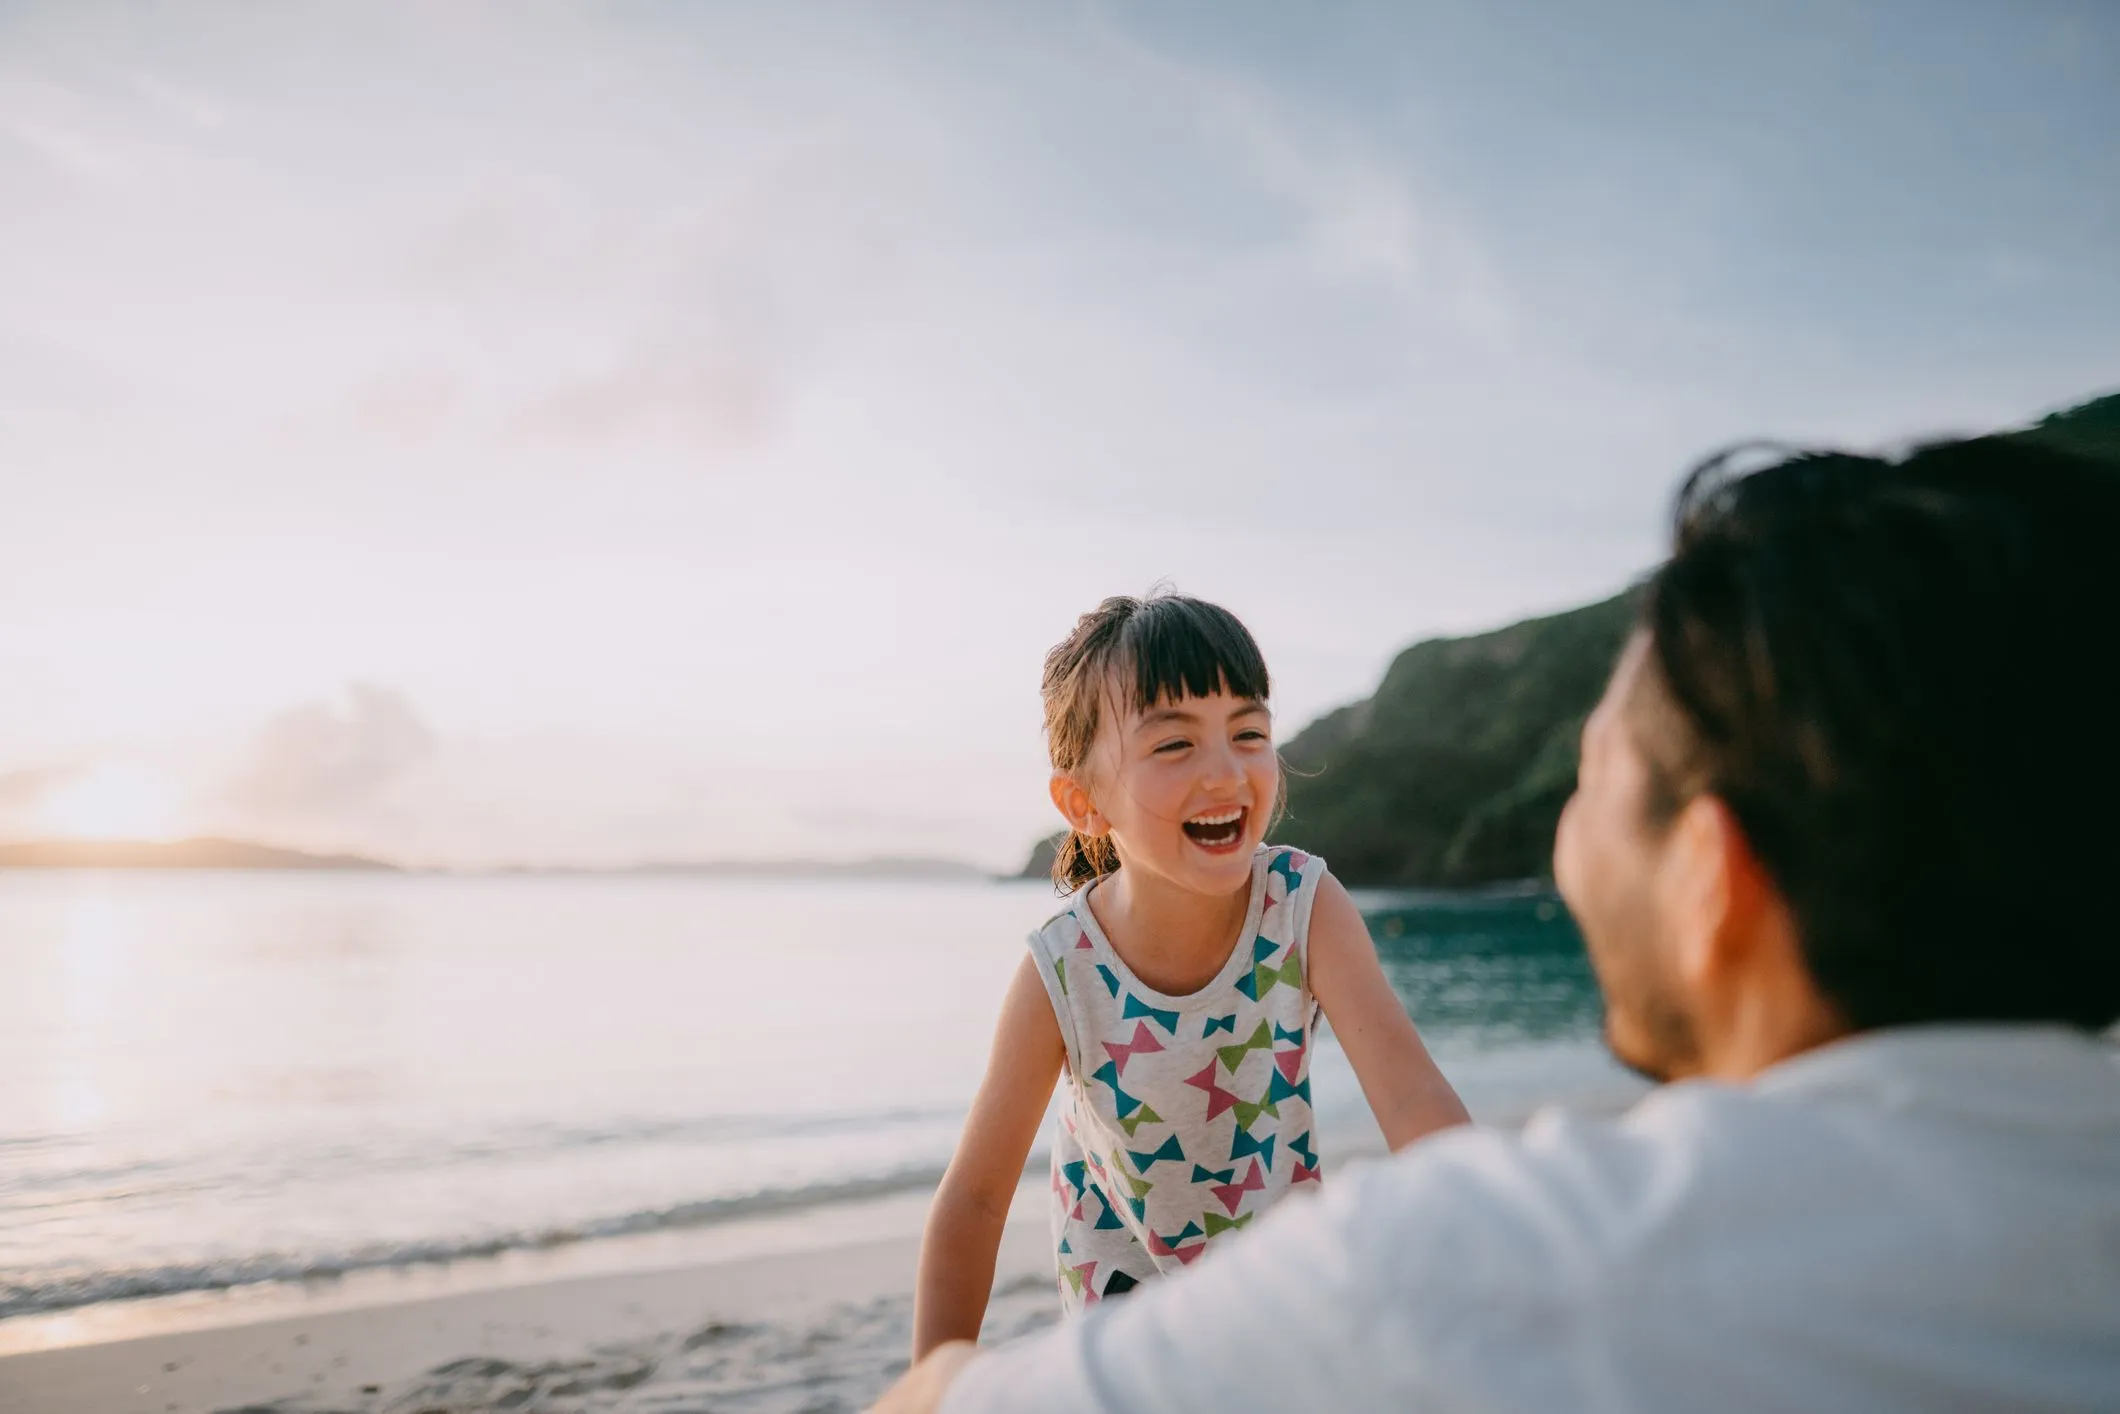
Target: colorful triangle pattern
[[1156, 1199]]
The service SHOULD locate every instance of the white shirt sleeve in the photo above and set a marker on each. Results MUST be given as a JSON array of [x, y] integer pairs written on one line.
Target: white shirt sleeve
[[1245, 1329], [1299, 1313]]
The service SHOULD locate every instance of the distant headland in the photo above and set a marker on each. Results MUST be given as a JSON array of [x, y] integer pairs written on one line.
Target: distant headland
[[173, 854], [246, 854]]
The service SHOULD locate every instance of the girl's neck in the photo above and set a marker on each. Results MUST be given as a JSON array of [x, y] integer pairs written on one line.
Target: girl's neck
[[1171, 938]]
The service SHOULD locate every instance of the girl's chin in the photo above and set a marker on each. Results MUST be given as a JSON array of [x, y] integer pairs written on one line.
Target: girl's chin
[[1199, 868]]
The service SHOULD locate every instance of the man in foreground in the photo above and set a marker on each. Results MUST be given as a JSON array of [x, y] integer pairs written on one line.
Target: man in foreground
[[1837, 849]]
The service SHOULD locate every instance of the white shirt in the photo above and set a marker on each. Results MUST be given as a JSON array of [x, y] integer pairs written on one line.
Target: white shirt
[[1925, 1218]]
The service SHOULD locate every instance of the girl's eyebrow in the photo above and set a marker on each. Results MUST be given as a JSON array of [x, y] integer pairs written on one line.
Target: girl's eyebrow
[[1163, 716]]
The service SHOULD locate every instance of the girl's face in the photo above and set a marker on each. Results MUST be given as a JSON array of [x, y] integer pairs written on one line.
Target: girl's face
[[1186, 789]]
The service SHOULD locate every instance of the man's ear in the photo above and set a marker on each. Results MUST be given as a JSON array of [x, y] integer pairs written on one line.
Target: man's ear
[[1716, 892], [1071, 798]]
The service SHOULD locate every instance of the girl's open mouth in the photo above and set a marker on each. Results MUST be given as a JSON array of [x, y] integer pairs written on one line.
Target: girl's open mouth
[[1219, 829]]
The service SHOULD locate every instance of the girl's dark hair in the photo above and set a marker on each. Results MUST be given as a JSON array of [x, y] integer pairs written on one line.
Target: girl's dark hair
[[1138, 652]]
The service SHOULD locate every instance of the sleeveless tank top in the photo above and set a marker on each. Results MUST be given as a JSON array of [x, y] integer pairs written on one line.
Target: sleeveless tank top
[[1182, 1117]]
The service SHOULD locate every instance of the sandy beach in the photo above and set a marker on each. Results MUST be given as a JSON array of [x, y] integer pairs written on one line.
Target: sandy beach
[[812, 1328]]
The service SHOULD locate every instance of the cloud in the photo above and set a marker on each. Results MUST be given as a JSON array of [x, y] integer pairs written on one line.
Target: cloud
[[324, 762], [25, 788], [406, 403], [693, 394], [685, 315], [68, 149], [75, 121], [515, 242], [193, 106], [1361, 215]]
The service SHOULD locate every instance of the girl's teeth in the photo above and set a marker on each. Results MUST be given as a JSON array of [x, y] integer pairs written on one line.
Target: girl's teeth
[[1216, 830]]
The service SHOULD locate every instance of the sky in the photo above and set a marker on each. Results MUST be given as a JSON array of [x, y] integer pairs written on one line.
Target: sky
[[480, 434]]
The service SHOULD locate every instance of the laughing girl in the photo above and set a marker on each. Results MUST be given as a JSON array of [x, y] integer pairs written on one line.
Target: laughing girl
[[1179, 989]]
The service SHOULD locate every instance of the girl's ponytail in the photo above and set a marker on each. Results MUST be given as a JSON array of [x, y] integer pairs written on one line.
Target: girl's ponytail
[[1077, 679], [1082, 859]]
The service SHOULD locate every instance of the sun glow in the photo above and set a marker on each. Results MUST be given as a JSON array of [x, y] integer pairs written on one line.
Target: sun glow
[[112, 803]]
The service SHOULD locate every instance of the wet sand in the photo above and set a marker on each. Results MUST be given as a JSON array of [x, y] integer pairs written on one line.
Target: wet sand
[[796, 1333], [804, 1313]]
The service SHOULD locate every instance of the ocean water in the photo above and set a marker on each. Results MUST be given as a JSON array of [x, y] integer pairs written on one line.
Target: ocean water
[[214, 1079]]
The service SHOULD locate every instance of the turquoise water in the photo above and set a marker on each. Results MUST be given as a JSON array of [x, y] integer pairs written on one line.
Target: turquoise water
[[215, 1079], [1493, 971]]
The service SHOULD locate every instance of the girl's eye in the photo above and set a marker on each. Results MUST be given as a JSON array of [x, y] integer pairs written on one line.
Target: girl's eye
[[1251, 736], [1170, 746]]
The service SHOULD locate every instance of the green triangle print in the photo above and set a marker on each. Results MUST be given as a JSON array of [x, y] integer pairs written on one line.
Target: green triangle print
[[1289, 974], [1248, 1113], [1145, 1115], [1233, 1056]]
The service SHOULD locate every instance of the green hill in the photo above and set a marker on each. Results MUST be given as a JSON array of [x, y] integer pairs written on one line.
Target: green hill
[[1454, 772], [2090, 429]]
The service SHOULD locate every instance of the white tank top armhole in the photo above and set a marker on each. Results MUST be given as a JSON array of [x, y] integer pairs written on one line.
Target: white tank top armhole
[[1051, 962], [1313, 874]]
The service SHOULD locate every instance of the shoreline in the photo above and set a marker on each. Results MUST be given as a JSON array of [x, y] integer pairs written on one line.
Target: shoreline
[[776, 1319], [705, 1224], [795, 1311], [808, 1302], [893, 1211], [785, 1232]]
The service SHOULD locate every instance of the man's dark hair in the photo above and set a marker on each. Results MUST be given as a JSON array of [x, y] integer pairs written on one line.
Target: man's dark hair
[[1896, 675]]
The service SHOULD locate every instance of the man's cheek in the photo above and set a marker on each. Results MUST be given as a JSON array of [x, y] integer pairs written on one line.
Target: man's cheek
[[1567, 846]]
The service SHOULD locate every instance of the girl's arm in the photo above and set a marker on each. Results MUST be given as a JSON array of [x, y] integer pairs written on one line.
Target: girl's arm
[[1406, 1092], [964, 1226]]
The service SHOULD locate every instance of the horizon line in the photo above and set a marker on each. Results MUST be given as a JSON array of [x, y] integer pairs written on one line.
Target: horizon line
[[222, 852]]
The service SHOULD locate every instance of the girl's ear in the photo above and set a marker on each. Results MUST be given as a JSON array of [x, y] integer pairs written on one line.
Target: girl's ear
[[1073, 802]]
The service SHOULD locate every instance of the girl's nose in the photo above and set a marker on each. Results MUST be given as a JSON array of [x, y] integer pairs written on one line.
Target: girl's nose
[[1222, 767]]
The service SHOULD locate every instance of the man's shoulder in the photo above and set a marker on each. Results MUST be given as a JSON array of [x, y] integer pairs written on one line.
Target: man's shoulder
[[1554, 1208]]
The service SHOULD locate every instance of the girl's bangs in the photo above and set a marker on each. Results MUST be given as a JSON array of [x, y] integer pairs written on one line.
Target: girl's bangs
[[1176, 648]]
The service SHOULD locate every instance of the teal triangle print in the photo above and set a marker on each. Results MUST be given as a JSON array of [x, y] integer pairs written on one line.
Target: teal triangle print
[[1136, 1008]]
